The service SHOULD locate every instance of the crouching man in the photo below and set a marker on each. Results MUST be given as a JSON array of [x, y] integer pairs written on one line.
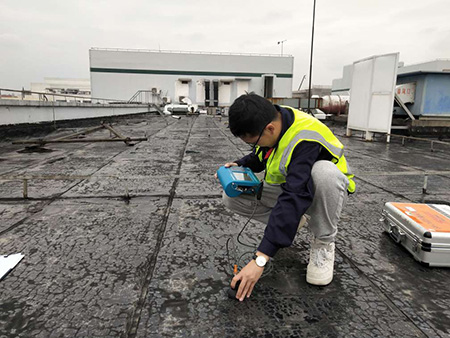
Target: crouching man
[[305, 173]]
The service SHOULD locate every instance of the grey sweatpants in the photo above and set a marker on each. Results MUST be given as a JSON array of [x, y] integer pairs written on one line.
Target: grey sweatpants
[[330, 197]]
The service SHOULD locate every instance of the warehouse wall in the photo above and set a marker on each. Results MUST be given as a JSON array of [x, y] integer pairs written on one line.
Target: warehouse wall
[[119, 74]]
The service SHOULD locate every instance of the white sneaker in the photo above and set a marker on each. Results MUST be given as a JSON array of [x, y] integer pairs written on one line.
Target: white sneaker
[[321, 263]]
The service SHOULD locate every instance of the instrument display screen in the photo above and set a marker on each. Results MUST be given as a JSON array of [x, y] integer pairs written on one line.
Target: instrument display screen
[[242, 176]]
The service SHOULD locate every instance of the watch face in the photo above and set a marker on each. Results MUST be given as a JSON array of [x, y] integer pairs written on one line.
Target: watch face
[[261, 261]]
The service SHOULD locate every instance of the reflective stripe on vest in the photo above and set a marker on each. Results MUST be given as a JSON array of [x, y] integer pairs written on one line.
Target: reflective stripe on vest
[[307, 135], [305, 128]]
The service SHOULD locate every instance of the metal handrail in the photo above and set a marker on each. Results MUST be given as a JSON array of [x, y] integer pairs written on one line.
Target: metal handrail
[[432, 142], [139, 94], [27, 92], [134, 96]]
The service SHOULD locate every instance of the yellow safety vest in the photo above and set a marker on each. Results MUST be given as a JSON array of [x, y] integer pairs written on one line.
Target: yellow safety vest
[[305, 128]]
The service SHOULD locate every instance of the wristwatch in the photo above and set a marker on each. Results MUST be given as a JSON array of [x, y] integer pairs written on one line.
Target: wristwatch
[[261, 261]]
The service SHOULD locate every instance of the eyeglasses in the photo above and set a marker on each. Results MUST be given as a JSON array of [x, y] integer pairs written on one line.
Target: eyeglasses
[[259, 137]]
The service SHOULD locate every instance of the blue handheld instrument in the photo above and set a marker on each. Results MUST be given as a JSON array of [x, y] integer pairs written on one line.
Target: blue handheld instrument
[[238, 180]]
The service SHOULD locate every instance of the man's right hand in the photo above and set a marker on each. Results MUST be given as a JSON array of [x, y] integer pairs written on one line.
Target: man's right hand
[[227, 165]]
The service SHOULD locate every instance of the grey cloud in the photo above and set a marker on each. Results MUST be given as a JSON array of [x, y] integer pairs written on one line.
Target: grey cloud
[[52, 38]]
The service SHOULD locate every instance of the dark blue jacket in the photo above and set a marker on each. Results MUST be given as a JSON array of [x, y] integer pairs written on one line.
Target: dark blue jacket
[[297, 193]]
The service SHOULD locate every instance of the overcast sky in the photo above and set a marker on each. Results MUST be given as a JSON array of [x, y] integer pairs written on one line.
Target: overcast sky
[[50, 38]]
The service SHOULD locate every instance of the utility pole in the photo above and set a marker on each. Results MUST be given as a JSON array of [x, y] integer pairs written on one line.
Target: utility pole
[[310, 60], [281, 43]]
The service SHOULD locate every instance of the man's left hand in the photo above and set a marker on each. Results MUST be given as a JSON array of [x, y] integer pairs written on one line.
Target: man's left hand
[[248, 276]]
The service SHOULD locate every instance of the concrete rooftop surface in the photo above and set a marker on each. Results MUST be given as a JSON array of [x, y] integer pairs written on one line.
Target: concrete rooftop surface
[[138, 248]]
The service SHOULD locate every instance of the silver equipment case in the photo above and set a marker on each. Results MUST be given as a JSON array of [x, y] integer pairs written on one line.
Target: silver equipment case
[[423, 229]]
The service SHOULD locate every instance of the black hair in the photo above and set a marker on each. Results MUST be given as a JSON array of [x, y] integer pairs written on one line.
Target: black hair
[[249, 114]]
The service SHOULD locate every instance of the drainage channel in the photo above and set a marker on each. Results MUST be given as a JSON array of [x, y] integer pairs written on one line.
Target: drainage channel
[[134, 318]]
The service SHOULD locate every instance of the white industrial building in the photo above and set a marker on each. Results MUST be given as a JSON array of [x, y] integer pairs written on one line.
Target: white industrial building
[[207, 79]]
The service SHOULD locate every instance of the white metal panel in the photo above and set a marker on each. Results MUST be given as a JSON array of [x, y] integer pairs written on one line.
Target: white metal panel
[[360, 95], [181, 89], [242, 87], [224, 93], [200, 92], [372, 94]]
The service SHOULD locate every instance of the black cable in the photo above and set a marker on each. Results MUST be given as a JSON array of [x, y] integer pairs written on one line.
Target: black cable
[[245, 225], [238, 261], [242, 230], [228, 252]]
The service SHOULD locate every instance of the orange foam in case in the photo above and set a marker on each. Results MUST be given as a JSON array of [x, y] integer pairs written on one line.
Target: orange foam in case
[[427, 217]]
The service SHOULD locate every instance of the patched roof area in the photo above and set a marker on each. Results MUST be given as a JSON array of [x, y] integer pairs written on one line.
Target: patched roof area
[[131, 241]]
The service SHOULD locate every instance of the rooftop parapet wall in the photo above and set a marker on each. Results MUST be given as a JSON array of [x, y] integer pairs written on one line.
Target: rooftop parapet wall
[[14, 112]]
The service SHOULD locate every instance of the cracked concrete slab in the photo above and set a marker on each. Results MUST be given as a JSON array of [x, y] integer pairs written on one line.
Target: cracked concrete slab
[[83, 267], [12, 212]]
